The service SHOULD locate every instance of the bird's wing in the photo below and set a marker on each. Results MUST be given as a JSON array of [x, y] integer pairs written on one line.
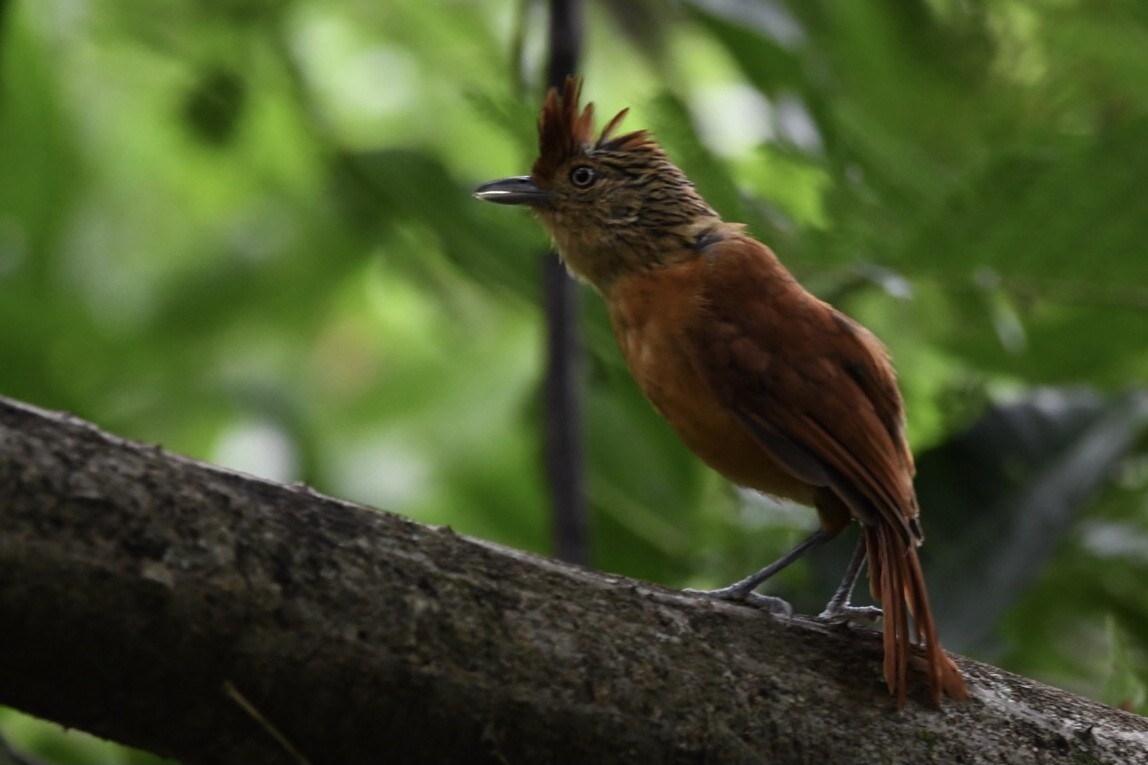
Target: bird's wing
[[812, 387]]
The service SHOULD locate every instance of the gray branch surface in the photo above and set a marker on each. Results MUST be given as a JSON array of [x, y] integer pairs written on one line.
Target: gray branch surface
[[216, 618]]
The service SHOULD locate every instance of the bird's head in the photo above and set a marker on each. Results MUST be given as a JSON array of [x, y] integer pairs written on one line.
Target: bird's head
[[612, 203]]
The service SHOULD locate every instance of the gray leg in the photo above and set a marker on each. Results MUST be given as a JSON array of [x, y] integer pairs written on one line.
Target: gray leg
[[743, 591], [838, 608]]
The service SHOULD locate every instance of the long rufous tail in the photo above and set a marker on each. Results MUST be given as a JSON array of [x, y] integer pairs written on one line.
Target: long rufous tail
[[895, 578]]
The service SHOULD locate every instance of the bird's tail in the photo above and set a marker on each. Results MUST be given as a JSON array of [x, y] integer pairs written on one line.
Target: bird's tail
[[895, 579]]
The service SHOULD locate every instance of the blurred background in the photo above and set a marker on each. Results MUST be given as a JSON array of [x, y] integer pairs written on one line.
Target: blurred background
[[243, 230]]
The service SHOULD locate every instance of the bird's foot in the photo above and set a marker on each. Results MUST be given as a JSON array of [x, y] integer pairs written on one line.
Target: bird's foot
[[844, 612], [734, 594]]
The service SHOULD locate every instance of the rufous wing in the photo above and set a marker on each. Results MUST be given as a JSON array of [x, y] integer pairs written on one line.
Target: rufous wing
[[813, 388]]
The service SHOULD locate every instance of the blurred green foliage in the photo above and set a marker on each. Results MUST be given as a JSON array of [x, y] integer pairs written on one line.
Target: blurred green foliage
[[243, 230]]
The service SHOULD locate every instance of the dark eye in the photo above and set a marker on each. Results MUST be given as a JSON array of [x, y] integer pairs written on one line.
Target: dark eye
[[582, 176]]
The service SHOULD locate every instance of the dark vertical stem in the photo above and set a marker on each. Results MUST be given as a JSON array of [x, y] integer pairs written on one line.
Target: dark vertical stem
[[565, 40], [564, 458], [564, 448]]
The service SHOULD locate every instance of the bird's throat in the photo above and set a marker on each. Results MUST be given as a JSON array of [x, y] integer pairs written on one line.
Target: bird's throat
[[600, 256]]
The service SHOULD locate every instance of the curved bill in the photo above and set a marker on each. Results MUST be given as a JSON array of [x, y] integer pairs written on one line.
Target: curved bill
[[519, 190]]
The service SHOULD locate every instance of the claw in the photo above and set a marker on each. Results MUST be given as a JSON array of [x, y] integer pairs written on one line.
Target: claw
[[845, 612], [771, 603]]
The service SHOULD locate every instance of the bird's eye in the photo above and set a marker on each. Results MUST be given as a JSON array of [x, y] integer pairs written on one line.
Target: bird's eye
[[582, 176]]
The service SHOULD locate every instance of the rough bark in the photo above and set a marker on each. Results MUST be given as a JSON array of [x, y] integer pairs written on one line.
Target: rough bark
[[136, 587]]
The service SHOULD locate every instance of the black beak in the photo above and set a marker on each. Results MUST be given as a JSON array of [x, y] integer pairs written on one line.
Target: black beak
[[519, 190]]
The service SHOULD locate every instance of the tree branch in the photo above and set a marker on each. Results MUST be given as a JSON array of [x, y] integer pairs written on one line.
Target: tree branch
[[197, 613]]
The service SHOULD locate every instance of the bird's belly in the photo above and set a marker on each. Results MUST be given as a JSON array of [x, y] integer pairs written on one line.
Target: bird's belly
[[671, 383]]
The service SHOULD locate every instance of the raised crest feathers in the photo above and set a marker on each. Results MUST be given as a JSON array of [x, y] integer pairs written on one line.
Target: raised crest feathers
[[565, 130]]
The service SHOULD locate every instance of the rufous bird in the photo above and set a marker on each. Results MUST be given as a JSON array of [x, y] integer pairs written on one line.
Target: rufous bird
[[773, 388]]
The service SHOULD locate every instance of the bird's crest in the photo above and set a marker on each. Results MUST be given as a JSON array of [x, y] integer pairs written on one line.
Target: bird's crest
[[565, 131]]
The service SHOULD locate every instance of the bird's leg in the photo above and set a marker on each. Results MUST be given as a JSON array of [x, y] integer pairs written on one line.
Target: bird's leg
[[838, 609], [743, 591]]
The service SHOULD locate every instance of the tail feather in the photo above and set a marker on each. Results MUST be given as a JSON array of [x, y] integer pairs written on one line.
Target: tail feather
[[896, 580]]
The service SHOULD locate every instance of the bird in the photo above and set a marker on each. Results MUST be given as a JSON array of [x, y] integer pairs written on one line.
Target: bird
[[770, 386]]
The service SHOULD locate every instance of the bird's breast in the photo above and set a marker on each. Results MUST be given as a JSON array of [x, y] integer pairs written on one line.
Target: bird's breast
[[657, 317]]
